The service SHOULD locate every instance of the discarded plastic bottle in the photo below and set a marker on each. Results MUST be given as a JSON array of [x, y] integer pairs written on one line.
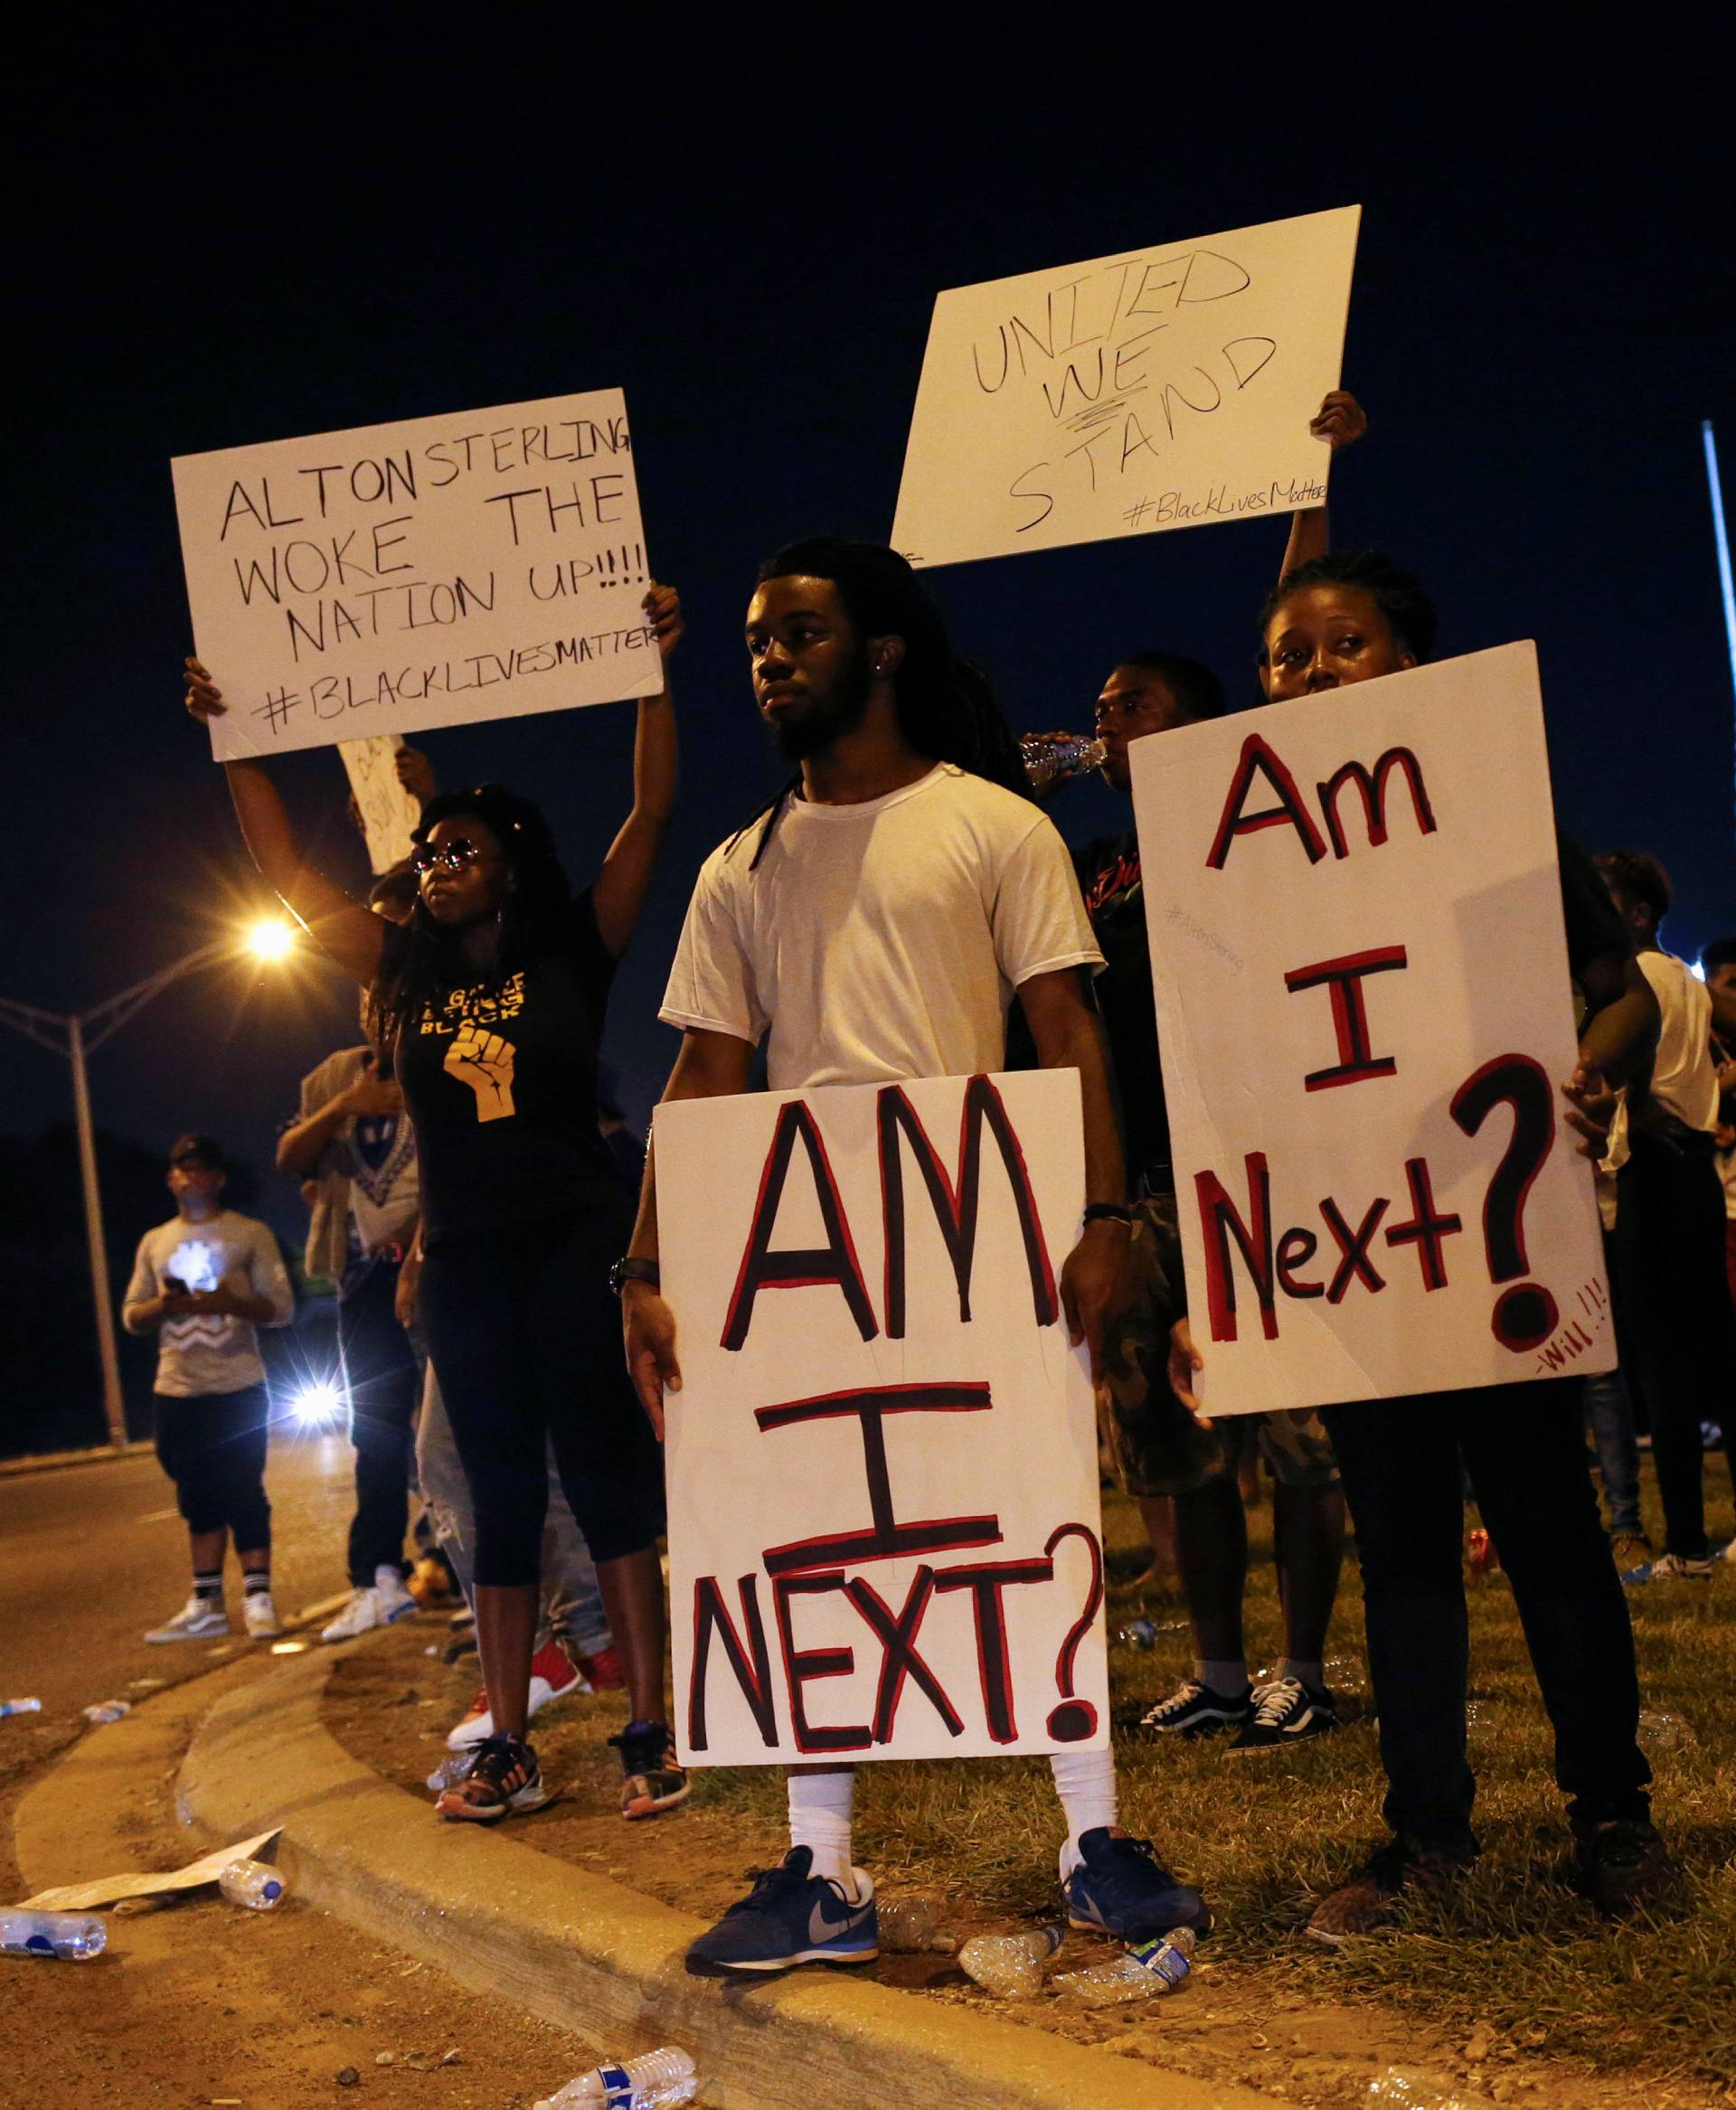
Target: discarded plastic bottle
[[107, 1711], [656, 2081], [1010, 1965], [907, 1922], [78, 1935], [19, 1707], [449, 1771], [1147, 1969], [1050, 762], [252, 1884], [1139, 1633]]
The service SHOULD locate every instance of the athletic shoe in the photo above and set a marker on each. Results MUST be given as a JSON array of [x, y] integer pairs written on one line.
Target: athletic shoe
[[553, 1677], [1373, 1897], [1626, 1866], [1629, 1550], [260, 1616], [382, 1605], [1672, 1568], [1284, 1712], [503, 1780], [791, 1915], [199, 1619], [654, 1781], [1195, 1710], [1121, 1889], [603, 1671]]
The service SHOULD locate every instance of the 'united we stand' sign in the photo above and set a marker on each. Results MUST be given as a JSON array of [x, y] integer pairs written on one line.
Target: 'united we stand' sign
[[884, 1524], [1354, 908]]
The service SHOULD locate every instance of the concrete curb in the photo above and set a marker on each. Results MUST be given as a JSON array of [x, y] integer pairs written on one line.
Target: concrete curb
[[58, 1461], [606, 1962]]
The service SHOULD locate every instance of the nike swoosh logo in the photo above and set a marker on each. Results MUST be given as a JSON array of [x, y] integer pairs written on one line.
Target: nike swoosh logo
[[820, 1929]]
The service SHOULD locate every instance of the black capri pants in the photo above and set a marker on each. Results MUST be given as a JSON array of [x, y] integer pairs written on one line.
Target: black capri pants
[[525, 1338], [213, 1446]]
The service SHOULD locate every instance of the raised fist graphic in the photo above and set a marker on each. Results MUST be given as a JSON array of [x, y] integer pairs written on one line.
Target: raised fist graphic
[[484, 1061]]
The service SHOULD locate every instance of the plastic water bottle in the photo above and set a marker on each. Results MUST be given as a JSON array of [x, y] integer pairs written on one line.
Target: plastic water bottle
[[107, 1711], [1010, 1965], [19, 1707], [655, 2080], [1139, 1633], [1147, 1969], [907, 1922], [449, 1771], [252, 1884], [78, 1936], [1050, 762]]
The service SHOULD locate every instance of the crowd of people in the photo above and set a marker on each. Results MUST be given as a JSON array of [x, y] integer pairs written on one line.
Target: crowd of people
[[904, 908]]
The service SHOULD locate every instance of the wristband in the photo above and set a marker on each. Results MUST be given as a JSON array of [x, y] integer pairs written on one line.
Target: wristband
[[1107, 1212], [632, 1270]]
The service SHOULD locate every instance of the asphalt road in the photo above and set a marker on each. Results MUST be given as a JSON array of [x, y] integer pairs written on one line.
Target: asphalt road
[[92, 1554]]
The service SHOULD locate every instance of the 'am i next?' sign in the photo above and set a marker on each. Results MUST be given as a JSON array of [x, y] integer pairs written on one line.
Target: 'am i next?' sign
[[1354, 908], [883, 1525], [429, 572]]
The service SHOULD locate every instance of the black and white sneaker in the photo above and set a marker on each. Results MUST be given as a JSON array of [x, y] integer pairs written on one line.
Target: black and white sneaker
[[1286, 1711], [1195, 1710]]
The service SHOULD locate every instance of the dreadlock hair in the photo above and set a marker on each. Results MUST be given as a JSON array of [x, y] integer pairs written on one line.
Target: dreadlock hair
[[1399, 595], [422, 961], [1641, 878], [945, 706], [1195, 687]]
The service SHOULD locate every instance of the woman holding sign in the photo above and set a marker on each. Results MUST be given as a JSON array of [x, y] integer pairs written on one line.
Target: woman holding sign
[[1353, 617], [494, 993]]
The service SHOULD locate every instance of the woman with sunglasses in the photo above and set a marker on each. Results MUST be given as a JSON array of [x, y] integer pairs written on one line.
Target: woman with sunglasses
[[493, 995]]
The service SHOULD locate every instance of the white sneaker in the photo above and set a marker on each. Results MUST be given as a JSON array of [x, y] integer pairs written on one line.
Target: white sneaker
[[382, 1604], [199, 1619], [261, 1615]]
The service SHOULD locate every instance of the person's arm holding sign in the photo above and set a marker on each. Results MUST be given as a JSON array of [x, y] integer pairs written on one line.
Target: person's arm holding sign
[[624, 878], [1340, 422]]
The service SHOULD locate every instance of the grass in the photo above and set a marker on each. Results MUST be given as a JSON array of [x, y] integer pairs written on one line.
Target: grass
[[1516, 1947]]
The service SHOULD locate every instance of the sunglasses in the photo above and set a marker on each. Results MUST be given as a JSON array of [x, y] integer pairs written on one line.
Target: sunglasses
[[454, 856]]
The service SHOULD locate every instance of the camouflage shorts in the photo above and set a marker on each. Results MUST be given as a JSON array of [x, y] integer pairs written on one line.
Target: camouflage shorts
[[1157, 1446]]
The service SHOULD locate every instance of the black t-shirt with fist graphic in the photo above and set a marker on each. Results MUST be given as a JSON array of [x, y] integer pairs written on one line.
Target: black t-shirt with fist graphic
[[500, 1078]]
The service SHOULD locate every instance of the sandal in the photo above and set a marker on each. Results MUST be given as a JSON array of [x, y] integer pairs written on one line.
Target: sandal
[[503, 1780]]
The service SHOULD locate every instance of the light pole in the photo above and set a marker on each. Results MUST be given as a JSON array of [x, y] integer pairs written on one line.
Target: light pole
[[79, 1034]]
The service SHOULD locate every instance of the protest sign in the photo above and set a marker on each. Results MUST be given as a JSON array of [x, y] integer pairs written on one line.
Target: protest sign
[[883, 1525], [1157, 389], [431, 572], [1354, 909], [389, 814]]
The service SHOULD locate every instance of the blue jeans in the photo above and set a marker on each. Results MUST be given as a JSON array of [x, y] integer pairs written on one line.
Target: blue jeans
[[1610, 1411], [572, 1604]]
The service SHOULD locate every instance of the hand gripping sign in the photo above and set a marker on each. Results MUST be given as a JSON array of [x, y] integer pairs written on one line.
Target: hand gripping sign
[[441, 570], [1159, 388], [1355, 908], [883, 1530]]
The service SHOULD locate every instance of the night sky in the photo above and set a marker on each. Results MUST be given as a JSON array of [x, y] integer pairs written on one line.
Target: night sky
[[744, 227]]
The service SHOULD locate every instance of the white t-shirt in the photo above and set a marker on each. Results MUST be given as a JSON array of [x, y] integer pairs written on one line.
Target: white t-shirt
[[379, 1160], [209, 1352], [883, 940], [1685, 1078]]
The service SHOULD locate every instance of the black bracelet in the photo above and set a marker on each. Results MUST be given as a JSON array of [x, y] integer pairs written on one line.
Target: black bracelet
[[631, 1270], [1107, 1212]]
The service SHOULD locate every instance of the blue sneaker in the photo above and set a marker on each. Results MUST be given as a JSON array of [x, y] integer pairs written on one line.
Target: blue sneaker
[[790, 1916], [1121, 1889]]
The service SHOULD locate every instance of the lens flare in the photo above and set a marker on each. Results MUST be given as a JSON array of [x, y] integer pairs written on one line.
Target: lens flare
[[317, 1406], [271, 939]]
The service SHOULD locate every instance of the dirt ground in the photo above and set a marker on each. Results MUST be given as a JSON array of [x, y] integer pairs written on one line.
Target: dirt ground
[[200, 2004], [1250, 2023]]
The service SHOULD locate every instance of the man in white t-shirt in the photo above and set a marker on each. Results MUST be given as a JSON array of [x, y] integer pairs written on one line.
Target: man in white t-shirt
[[875, 924], [1670, 1229], [202, 1283]]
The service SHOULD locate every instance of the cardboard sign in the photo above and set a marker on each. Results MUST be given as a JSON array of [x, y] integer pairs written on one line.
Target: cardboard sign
[[112, 1889], [389, 814], [431, 572], [883, 1527], [1154, 389], [1355, 908]]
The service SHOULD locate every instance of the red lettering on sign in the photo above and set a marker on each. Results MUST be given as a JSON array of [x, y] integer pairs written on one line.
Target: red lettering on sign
[[1372, 785], [797, 1268], [1220, 1222], [1344, 979], [1257, 758]]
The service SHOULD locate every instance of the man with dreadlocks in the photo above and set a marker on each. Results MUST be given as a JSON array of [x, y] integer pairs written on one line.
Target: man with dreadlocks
[[877, 922]]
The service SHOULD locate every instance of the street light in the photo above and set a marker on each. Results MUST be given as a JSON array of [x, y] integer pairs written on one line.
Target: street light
[[79, 1034]]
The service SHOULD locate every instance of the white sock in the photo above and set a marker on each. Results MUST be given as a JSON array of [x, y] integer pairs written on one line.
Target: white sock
[[1085, 1782], [819, 1820]]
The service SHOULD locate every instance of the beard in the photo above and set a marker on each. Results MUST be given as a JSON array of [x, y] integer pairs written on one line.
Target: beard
[[798, 737]]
